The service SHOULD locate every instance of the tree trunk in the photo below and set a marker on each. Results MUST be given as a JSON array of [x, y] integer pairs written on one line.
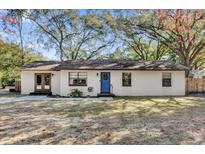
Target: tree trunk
[[61, 53], [61, 56], [188, 65], [21, 39]]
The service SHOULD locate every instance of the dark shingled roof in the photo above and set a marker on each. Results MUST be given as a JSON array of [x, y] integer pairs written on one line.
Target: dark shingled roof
[[102, 65], [41, 66]]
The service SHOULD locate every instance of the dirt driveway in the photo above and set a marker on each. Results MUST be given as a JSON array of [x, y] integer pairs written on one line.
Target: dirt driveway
[[172, 120]]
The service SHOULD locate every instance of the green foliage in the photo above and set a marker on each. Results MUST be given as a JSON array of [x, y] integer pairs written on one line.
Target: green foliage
[[10, 62], [182, 31], [1, 74], [119, 55], [74, 36], [5, 81], [76, 93], [133, 43], [176, 35]]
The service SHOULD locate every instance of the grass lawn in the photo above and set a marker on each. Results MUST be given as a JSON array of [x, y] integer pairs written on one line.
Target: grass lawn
[[13, 94], [150, 120], [6, 93]]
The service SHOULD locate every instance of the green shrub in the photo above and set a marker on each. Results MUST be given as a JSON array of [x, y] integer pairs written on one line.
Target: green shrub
[[7, 82], [76, 93]]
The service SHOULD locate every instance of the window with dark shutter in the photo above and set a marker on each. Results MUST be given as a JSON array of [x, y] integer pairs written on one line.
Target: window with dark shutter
[[126, 79], [166, 80]]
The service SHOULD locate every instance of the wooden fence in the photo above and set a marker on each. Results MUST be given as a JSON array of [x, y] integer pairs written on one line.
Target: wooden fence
[[195, 85], [17, 85]]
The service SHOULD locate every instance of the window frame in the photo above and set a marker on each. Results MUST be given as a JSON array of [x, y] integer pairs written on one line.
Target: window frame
[[78, 78], [170, 85], [126, 85]]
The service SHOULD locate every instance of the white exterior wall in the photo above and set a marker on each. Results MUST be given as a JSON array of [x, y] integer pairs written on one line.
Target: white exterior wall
[[148, 83], [28, 79], [55, 83], [144, 83], [27, 82], [92, 81]]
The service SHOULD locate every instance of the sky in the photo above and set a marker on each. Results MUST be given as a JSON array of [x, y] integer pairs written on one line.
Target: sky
[[30, 40]]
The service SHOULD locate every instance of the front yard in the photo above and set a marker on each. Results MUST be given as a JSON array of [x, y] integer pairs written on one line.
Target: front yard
[[174, 120], [6, 93]]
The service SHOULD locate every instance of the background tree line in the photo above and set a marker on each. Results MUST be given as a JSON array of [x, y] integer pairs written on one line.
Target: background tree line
[[176, 35]]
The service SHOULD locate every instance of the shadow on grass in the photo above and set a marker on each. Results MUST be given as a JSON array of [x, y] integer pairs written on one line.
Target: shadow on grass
[[121, 121]]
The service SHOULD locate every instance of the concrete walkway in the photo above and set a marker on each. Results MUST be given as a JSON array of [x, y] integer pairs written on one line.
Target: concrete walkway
[[37, 98]]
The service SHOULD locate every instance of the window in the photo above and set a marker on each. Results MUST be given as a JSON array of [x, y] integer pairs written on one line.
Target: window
[[105, 76], [77, 79], [166, 80], [126, 79]]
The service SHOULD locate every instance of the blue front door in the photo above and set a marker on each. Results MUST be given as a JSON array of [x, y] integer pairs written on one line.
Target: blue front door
[[105, 82]]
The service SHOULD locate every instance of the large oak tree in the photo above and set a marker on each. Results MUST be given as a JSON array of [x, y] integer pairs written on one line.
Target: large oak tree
[[73, 35], [181, 30]]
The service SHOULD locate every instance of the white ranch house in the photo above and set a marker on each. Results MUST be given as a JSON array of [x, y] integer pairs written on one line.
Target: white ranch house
[[104, 78]]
